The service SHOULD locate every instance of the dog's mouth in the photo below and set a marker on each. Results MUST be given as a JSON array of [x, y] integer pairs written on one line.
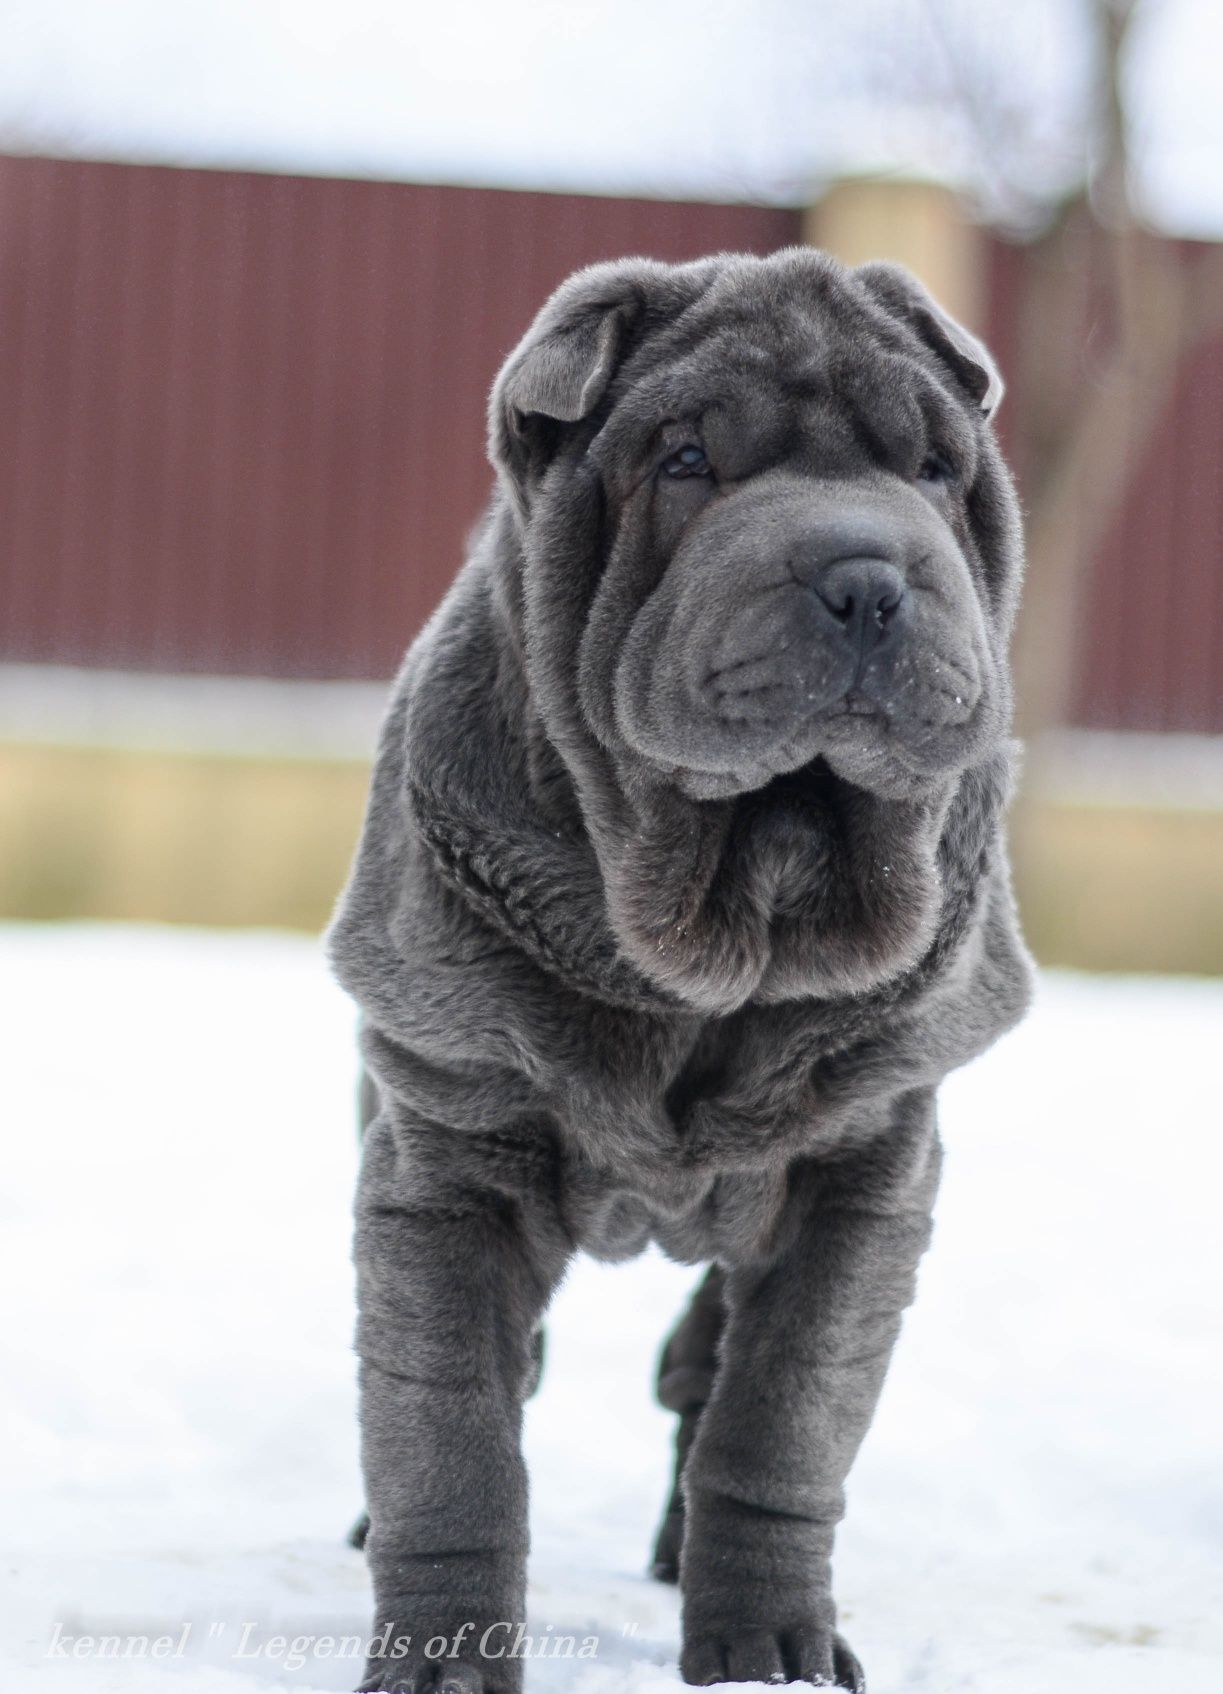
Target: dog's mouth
[[722, 710]]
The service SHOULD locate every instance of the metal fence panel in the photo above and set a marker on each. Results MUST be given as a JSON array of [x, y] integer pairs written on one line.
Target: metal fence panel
[[243, 427]]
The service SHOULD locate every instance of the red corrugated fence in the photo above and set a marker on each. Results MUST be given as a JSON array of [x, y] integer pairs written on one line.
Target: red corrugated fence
[[243, 418]]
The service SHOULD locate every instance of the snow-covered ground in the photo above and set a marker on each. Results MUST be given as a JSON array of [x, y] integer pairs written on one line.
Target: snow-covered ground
[[1037, 1509]]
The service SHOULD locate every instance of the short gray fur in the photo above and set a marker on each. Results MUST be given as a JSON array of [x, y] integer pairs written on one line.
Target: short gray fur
[[682, 884]]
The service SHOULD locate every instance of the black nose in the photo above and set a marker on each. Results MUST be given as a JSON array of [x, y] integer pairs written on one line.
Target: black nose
[[864, 596]]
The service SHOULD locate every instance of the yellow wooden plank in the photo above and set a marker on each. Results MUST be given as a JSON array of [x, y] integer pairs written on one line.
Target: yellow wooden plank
[[209, 839], [175, 838]]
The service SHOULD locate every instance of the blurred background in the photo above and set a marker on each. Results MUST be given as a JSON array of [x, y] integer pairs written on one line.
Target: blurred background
[[259, 263]]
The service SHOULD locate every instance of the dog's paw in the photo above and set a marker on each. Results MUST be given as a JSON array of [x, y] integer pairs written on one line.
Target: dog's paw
[[668, 1544], [807, 1652], [446, 1659], [424, 1679]]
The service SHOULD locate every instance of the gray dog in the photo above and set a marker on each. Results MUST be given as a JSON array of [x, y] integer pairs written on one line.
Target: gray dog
[[681, 887]]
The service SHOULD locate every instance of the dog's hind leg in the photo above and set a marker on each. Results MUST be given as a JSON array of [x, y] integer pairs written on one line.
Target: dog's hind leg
[[367, 1111], [367, 1102], [685, 1378]]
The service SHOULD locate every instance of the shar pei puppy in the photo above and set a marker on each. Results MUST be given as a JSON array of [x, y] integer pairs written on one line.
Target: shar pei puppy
[[681, 886]]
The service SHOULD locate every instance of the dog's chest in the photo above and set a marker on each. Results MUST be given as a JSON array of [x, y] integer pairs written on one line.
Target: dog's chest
[[634, 1094]]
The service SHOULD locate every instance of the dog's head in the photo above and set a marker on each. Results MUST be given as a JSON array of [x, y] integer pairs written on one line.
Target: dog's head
[[764, 521]]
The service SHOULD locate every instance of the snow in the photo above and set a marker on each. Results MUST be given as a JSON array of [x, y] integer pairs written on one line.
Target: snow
[[1037, 1509], [741, 101]]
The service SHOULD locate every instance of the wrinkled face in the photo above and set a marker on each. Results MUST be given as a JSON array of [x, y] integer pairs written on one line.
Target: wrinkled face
[[807, 546]]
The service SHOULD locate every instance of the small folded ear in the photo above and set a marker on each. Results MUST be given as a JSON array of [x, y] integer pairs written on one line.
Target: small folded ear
[[561, 369], [968, 359], [563, 373]]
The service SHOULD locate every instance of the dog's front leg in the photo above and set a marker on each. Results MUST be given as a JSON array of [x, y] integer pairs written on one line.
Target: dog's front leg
[[453, 1274], [803, 1355]]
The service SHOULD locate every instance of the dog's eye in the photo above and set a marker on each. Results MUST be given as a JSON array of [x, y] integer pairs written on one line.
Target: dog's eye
[[687, 461], [936, 468]]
